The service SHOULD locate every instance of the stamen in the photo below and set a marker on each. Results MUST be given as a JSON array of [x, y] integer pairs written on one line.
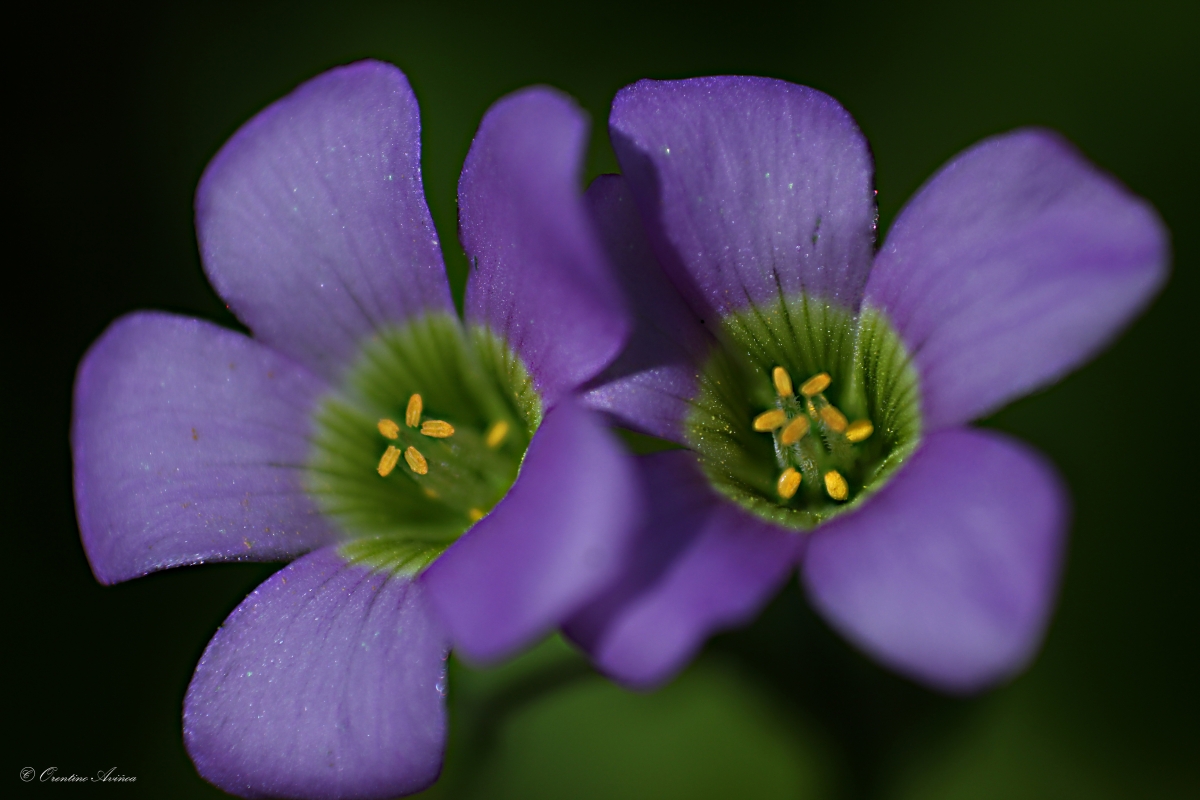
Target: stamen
[[789, 482], [859, 430], [835, 485], [388, 462], [496, 434], [769, 420], [794, 431], [416, 461], [475, 514], [835, 419], [783, 381], [816, 384], [437, 429], [389, 429], [412, 415]]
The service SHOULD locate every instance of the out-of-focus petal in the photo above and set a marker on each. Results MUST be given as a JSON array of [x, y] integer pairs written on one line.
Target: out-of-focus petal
[[312, 219], [326, 682], [539, 276], [650, 383], [557, 537], [189, 444], [698, 564], [949, 573], [750, 188], [1014, 264]]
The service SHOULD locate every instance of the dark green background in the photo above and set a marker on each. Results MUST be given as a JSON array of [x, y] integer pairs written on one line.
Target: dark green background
[[112, 114]]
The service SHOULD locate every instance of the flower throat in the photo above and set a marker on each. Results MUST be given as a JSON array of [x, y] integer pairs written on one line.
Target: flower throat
[[798, 455]]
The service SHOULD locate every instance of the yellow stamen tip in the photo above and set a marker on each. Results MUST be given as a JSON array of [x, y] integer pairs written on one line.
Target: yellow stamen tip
[[816, 384], [835, 419], [782, 381], [430, 493], [412, 414], [388, 428], [794, 431], [416, 461], [859, 430], [387, 462], [437, 429], [788, 483], [496, 434], [769, 420], [836, 486], [475, 514]]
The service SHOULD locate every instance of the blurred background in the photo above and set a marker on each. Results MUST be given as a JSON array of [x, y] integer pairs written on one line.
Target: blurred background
[[116, 110]]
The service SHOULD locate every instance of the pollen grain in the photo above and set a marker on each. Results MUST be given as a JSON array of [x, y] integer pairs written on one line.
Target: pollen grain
[[788, 483], [389, 429], [496, 434], [835, 485], [416, 461], [816, 384], [388, 462], [834, 419], [782, 381], [437, 429], [859, 430], [794, 431], [412, 414], [769, 420]]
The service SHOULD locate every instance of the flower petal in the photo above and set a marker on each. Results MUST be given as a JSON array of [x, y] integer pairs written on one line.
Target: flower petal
[[327, 681], [556, 538], [650, 383], [1015, 263], [949, 573], [698, 564], [312, 219], [189, 443], [750, 188], [540, 279]]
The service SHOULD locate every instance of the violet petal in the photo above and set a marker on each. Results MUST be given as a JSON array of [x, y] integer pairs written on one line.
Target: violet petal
[[326, 682], [1015, 263], [189, 445], [648, 387], [697, 565], [557, 537], [312, 219], [750, 188], [539, 276], [949, 573]]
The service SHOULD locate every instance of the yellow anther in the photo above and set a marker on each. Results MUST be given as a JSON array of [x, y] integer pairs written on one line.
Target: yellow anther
[[794, 431], [496, 434], [836, 486], [782, 381], [437, 429], [475, 514], [388, 428], [859, 430], [788, 483], [816, 384], [430, 493], [412, 414], [416, 461], [388, 462], [835, 419], [769, 420]]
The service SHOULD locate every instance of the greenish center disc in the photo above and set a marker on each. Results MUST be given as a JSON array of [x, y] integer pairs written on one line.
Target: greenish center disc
[[401, 487], [758, 432]]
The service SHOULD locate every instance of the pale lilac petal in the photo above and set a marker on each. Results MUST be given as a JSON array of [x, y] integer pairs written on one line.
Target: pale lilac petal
[[750, 188], [539, 277], [557, 537], [698, 564], [326, 682], [949, 573], [189, 444], [312, 219], [648, 387], [1014, 264]]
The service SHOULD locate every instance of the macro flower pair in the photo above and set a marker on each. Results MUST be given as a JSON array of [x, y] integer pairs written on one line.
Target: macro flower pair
[[441, 482]]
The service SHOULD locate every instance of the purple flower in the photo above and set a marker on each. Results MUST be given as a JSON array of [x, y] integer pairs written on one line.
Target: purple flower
[[824, 389], [365, 431]]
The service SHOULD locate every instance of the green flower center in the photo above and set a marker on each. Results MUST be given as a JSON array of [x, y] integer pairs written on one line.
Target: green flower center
[[805, 410], [425, 437]]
